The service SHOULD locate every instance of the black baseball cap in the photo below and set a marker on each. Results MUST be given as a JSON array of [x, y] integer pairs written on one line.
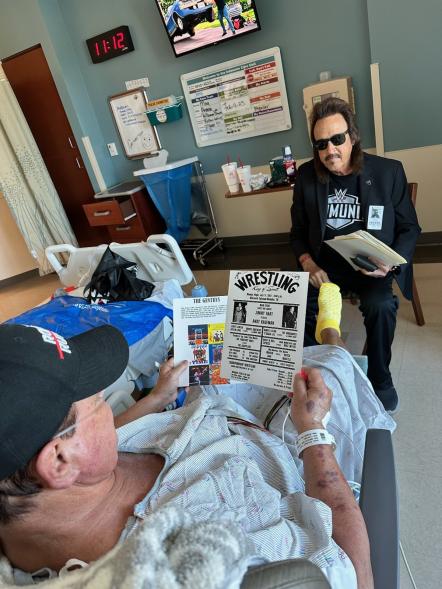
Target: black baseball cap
[[41, 375]]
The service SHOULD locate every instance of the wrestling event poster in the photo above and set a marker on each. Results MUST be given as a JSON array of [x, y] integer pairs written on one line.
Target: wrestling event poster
[[264, 332], [198, 325]]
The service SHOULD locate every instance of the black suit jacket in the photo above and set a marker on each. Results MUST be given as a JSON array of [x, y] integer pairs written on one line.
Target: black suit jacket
[[382, 182]]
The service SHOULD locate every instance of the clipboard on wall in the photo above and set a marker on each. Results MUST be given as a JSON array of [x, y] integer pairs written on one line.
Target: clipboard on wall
[[138, 137]]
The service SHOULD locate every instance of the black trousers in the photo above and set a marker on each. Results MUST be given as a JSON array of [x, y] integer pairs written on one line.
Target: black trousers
[[379, 307]]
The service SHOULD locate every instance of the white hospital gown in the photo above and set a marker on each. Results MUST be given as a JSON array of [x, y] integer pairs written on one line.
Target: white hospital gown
[[216, 470], [355, 407]]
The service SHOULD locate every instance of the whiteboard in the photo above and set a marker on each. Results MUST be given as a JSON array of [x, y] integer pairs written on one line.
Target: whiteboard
[[241, 98], [138, 136]]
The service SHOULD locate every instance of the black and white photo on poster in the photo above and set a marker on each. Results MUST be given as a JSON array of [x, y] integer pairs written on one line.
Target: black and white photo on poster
[[289, 315], [239, 312]]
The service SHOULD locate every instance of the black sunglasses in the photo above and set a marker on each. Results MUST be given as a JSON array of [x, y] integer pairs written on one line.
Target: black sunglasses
[[338, 139]]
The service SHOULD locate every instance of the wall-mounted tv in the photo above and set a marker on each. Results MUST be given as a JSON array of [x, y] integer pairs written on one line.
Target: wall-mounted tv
[[194, 24]]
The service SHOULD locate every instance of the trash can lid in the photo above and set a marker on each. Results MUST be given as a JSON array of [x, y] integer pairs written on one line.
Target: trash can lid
[[122, 189], [171, 166]]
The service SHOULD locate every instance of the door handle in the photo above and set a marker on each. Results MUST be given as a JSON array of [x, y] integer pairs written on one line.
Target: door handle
[[78, 163], [71, 143]]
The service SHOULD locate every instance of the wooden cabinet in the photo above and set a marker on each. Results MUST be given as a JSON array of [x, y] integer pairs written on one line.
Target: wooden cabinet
[[127, 211]]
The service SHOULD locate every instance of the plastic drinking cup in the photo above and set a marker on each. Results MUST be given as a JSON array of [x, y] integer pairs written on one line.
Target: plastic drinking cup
[[231, 176], [244, 174]]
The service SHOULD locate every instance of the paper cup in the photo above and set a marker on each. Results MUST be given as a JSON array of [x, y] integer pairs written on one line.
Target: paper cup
[[231, 176], [244, 174]]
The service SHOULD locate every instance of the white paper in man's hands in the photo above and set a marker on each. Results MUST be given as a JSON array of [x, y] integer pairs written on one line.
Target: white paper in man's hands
[[264, 333], [364, 244], [198, 337]]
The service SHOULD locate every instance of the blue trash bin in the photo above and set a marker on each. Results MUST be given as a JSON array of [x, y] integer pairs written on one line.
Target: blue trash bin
[[170, 189]]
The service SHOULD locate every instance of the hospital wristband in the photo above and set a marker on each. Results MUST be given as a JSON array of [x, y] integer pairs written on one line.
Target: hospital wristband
[[313, 437]]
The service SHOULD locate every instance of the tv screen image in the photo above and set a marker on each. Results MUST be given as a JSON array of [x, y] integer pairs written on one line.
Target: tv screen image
[[194, 24]]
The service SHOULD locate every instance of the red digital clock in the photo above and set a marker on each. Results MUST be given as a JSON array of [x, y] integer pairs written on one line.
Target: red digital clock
[[110, 44]]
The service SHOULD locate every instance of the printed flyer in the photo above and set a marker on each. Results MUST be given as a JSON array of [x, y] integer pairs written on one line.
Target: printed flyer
[[264, 333], [199, 337]]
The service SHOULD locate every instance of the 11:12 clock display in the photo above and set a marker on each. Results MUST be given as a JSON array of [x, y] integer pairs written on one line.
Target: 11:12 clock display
[[110, 44]]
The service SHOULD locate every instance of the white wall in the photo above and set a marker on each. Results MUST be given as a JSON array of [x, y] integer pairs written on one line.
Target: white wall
[[270, 213], [260, 214], [424, 166]]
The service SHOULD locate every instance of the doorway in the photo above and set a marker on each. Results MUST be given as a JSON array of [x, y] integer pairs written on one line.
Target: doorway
[[31, 79]]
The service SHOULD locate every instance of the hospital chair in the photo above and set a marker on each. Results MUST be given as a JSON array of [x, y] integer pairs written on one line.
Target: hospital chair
[[415, 300], [379, 506]]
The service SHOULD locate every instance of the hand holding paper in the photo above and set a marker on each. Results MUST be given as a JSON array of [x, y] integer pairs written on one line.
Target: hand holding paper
[[380, 271], [363, 243]]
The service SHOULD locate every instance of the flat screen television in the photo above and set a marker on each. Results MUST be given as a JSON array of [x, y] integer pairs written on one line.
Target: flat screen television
[[194, 24]]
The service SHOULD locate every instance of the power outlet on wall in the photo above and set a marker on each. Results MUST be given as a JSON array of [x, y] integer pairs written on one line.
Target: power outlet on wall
[[112, 149]]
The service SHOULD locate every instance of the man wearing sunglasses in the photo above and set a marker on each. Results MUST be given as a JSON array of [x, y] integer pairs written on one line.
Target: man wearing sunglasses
[[340, 191]]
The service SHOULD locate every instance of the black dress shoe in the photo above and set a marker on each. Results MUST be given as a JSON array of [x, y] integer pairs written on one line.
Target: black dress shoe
[[224, 33], [395, 410], [389, 399]]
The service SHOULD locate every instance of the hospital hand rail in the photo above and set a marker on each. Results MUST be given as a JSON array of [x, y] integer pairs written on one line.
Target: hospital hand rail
[[51, 250], [379, 506]]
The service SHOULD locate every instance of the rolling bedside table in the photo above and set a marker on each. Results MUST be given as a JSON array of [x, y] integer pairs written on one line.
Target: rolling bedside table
[[127, 211]]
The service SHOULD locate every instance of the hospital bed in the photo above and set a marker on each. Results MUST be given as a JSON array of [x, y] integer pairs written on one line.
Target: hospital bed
[[147, 325], [160, 260]]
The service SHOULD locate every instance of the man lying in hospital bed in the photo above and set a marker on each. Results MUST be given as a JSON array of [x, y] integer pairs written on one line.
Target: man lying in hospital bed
[[211, 460]]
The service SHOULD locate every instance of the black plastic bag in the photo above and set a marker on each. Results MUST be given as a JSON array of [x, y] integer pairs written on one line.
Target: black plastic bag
[[115, 279]]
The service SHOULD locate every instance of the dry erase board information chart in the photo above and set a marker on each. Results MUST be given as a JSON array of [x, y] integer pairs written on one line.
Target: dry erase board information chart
[[241, 98], [137, 135]]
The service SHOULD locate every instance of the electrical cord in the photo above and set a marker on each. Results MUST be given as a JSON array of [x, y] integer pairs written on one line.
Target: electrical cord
[[285, 420]]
